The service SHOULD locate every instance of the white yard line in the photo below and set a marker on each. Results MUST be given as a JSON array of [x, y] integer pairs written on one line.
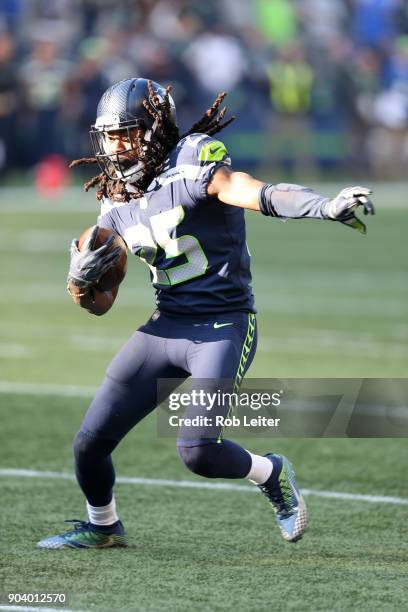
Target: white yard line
[[309, 303], [46, 389], [15, 351], [384, 309], [50, 293], [214, 486], [343, 346], [36, 609]]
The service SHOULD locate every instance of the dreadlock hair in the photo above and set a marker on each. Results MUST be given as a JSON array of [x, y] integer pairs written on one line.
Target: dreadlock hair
[[154, 152]]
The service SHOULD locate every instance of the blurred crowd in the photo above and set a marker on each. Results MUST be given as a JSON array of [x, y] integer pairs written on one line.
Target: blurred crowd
[[318, 86]]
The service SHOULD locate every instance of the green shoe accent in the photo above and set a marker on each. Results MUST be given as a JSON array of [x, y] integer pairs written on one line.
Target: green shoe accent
[[85, 535]]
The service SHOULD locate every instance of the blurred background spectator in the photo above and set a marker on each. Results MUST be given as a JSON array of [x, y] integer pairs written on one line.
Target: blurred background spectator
[[320, 88], [9, 102]]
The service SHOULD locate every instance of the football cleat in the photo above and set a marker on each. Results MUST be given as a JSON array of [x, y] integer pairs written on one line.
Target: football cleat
[[286, 499], [86, 535]]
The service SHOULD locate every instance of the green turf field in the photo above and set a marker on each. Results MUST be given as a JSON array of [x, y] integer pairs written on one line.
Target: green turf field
[[331, 304]]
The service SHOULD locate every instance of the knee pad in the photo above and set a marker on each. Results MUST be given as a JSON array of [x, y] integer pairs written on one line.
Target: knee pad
[[201, 460], [87, 446]]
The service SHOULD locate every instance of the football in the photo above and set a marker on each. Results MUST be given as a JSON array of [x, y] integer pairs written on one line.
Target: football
[[115, 275]]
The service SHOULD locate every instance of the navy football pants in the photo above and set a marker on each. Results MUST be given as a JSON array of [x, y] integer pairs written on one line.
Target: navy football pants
[[166, 347]]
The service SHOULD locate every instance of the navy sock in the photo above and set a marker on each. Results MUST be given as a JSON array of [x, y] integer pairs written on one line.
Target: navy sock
[[105, 528]]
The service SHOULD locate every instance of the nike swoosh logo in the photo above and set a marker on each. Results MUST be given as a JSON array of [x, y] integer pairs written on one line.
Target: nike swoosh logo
[[217, 325]]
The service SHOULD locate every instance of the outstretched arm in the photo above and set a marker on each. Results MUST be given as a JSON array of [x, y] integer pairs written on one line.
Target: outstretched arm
[[289, 201], [236, 188]]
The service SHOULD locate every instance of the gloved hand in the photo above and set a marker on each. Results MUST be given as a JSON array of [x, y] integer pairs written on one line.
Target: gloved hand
[[87, 266], [342, 207]]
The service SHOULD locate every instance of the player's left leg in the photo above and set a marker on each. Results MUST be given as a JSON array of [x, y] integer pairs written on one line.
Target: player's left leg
[[224, 361]]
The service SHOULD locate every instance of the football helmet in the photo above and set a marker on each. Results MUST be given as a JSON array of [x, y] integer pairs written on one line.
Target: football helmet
[[121, 109]]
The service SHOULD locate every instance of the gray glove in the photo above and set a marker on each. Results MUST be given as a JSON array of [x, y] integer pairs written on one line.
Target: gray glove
[[342, 207], [86, 266]]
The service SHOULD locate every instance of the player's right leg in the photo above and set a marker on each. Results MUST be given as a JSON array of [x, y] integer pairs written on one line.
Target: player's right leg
[[128, 393], [219, 362]]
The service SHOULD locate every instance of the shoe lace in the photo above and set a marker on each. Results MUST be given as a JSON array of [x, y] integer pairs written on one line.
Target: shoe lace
[[78, 525], [277, 496]]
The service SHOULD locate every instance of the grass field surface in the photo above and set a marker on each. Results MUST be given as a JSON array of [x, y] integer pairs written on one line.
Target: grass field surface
[[331, 304]]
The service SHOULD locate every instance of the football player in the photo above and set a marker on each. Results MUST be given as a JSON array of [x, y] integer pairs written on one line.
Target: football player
[[179, 206]]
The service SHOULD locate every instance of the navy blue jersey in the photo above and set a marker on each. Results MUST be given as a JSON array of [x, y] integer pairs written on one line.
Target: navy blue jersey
[[193, 244]]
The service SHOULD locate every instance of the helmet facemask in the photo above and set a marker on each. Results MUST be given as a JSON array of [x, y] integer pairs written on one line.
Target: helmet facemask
[[126, 164]]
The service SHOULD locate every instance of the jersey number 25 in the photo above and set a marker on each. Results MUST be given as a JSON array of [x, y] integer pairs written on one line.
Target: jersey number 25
[[140, 236]]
